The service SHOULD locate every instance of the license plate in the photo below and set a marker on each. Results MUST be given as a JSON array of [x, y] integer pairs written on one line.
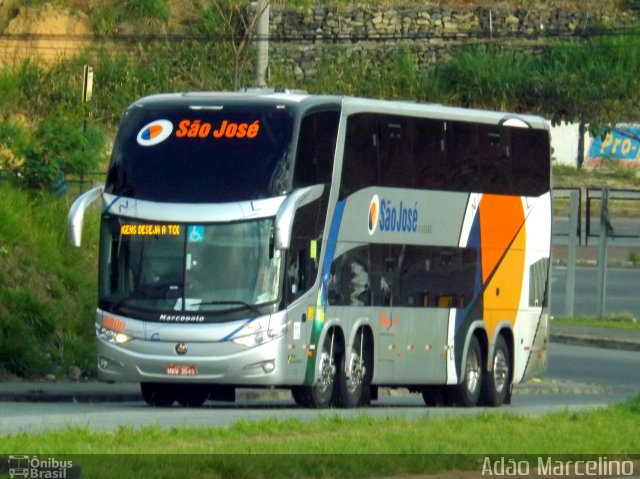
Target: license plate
[[181, 370]]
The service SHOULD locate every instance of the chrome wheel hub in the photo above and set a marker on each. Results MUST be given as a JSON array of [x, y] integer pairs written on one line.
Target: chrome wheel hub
[[500, 370], [473, 372], [327, 371], [355, 371]]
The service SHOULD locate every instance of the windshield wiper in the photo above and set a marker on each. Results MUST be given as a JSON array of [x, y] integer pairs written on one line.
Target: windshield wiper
[[236, 302], [160, 292], [118, 304]]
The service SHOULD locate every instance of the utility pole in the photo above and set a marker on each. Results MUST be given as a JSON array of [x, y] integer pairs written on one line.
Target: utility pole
[[262, 37]]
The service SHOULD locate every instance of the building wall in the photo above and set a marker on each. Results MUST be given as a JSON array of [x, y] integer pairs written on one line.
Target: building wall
[[564, 141]]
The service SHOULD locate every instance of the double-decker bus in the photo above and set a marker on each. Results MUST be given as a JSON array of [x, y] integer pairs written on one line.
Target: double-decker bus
[[326, 244]]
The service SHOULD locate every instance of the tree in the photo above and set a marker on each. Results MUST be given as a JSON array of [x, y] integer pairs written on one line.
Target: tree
[[236, 24]]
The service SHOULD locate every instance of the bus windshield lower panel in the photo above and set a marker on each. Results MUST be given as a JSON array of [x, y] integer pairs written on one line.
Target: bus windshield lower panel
[[169, 268]]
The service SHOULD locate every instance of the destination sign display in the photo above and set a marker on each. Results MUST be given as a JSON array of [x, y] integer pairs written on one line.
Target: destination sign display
[[149, 230]]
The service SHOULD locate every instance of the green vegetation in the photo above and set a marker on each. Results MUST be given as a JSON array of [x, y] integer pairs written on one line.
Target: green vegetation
[[617, 321], [334, 446], [569, 81], [107, 17], [563, 83], [613, 177], [47, 290]]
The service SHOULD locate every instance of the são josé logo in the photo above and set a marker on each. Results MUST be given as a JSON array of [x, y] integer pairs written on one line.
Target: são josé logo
[[386, 216], [374, 209], [155, 132]]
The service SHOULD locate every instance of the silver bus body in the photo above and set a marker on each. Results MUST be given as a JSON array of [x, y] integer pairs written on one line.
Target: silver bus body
[[414, 273]]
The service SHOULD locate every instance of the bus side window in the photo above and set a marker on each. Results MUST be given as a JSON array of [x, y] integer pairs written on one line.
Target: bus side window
[[530, 161], [350, 283], [360, 168], [495, 160], [396, 158], [383, 274], [414, 276], [462, 156], [434, 276], [302, 258], [429, 153], [316, 148]]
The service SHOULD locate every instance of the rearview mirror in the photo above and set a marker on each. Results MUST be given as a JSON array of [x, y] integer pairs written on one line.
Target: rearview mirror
[[287, 212], [76, 214]]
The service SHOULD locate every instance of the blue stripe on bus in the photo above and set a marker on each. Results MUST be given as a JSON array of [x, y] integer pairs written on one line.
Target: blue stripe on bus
[[106, 210], [330, 251], [237, 330], [332, 241]]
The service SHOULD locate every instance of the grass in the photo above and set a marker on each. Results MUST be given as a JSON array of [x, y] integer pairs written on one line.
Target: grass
[[615, 178], [47, 291], [618, 321], [366, 446]]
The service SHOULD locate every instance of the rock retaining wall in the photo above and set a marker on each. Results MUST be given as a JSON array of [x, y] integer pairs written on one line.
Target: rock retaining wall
[[300, 37]]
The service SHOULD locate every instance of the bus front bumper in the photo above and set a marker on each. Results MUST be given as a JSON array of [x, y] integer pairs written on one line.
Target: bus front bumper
[[223, 362]]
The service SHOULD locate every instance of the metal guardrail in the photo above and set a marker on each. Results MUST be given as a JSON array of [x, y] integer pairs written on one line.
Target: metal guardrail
[[565, 193], [78, 184], [70, 184], [588, 201], [595, 194]]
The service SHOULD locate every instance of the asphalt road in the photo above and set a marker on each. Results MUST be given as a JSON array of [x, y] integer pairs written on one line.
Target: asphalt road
[[577, 378], [605, 367], [622, 291]]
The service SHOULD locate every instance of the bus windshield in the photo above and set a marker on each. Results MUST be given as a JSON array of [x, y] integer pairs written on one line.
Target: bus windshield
[[202, 155], [167, 268]]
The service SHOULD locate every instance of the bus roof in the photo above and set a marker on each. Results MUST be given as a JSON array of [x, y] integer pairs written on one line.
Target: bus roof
[[353, 105], [195, 100], [348, 105]]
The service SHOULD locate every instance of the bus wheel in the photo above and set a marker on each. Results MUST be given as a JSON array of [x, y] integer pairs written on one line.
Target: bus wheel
[[467, 393], [192, 395], [434, 396], [354, 373], [158, 394], [498, 381], [301, 395], [321, 393]]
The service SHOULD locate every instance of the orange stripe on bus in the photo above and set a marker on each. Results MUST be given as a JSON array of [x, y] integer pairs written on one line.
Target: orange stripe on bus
[[503, 242]]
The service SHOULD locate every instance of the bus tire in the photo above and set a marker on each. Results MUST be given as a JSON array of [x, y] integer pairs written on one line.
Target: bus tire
[[301, 395], [467, 393], [434, 396], [497, 382], [354, 389], [192, 395], [158, 394], [321, 394]]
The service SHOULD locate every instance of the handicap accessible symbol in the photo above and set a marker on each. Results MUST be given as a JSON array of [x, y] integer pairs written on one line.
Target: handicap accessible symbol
[[195, 233]]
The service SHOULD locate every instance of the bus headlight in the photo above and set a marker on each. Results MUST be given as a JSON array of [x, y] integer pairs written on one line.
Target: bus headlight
[[260, 337], [112, 336]]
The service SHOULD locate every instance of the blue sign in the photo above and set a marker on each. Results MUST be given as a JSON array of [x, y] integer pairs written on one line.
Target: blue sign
[[195, 233], [621, 143]]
